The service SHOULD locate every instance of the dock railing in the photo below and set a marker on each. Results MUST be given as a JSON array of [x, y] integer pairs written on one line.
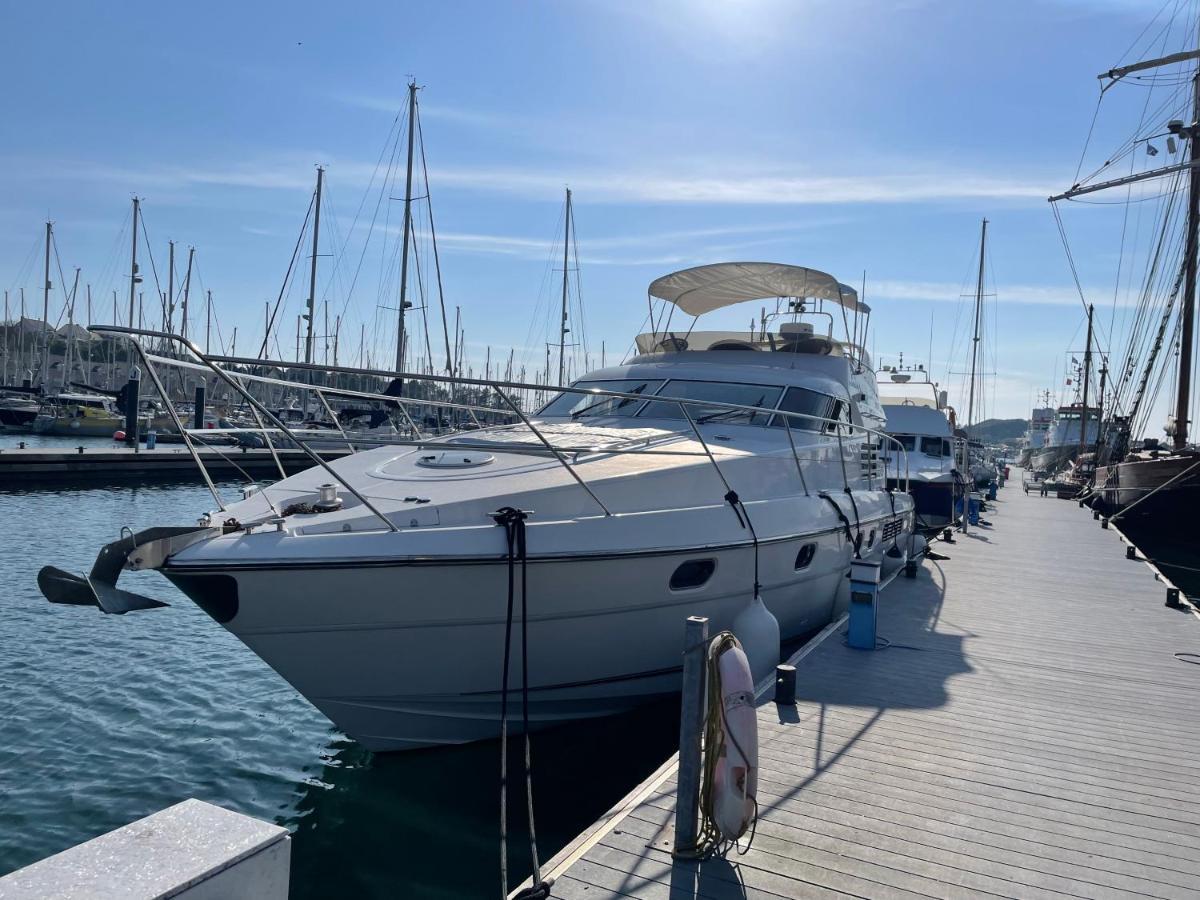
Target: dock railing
[[268, 423]]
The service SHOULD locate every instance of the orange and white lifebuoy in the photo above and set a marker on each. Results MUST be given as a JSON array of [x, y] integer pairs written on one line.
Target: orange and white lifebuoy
[[735, 772]]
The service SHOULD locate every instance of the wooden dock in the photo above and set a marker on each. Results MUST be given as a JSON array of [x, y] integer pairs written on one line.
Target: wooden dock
[[35, 467], [1030, 732]]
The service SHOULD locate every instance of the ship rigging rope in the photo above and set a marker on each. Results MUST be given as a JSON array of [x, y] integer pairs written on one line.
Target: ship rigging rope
[[287, 276], [513, 522]]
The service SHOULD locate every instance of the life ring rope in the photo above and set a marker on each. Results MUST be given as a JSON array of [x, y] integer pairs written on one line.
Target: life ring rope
[[720, 737]]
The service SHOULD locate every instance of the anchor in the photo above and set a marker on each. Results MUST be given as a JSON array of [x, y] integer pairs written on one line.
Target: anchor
[[146, 549]]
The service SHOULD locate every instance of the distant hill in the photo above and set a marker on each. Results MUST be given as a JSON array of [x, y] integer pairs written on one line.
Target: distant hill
[[1000, 431]]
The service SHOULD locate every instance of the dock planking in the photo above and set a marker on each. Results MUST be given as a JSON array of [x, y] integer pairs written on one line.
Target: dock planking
[[1029, 732]]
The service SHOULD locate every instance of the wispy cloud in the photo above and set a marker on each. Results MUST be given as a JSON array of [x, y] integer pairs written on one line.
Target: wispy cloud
[[1033, 294], [775, 187], [697, 243], [766, 185]]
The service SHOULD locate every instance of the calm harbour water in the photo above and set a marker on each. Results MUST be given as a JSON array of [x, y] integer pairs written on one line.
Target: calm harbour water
[[110, 718]]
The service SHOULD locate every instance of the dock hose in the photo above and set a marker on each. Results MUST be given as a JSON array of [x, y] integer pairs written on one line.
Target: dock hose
[[513, 522]]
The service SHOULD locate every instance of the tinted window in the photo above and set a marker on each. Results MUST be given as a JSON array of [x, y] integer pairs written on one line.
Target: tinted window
[[805, 556], [692, 574], [578, 405], [810, 403], [932, 446], [763, 396]]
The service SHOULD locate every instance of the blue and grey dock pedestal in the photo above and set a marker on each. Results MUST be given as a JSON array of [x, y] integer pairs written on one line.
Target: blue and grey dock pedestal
[[864, 603]]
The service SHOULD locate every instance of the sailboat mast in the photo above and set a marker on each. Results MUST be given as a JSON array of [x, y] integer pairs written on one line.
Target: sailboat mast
[[70, 348], [562, 325], [978, 312], [312, 272], [187, 287], [46, 310], [133, 266], [412, 118], [1087, 377], [1187, 314], [169, 309]]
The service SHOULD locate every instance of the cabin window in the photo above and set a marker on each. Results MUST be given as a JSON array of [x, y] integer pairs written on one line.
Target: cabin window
[[693, 574], [580, 405], [764, 396], [841, 413], [805, 557], [907, 441], [932, 446], [807, 403]]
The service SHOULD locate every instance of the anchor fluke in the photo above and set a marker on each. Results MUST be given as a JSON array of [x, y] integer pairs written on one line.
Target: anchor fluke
[[58, 586], [144, 550]]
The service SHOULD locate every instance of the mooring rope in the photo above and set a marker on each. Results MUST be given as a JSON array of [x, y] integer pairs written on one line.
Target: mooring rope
[[513, 522]]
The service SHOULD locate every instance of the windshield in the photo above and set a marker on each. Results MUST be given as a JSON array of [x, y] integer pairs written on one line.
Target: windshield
[[932, 446], [907, 441], [579, 405], [764, 396], [801, 400]]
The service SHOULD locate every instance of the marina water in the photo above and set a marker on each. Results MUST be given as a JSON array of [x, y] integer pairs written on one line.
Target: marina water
[[110, 718]]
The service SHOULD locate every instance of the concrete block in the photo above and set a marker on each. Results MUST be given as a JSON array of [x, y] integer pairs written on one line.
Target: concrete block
[[193, 850]]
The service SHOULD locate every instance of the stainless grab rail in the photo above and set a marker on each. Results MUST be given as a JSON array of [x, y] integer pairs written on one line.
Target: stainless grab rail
[[213, 364]]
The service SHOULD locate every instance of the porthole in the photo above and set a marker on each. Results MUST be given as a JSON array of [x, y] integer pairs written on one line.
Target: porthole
[[692, 574], [871, 539], [805, 557]]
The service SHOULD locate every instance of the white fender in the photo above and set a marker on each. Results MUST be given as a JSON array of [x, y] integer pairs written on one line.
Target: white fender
[[735, 776], [757, 631]]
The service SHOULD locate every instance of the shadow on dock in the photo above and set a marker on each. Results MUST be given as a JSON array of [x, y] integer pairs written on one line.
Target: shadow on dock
[[911, 671]]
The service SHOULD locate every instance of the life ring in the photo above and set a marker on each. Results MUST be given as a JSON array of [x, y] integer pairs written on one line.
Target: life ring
[[734, 771]]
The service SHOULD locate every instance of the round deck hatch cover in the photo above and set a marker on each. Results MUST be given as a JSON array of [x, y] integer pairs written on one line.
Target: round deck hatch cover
[[454, 459]]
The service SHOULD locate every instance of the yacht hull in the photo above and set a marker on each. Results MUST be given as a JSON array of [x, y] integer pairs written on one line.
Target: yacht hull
[[404, 655], [933, 501], [1165, 489]]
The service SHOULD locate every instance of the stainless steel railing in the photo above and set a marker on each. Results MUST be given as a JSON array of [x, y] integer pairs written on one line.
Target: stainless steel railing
[[239, 383]]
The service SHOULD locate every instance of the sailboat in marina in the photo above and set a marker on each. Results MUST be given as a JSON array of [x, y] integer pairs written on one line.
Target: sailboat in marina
[[1157, 486]]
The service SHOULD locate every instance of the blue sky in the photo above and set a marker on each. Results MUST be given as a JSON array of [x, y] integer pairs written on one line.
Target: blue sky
[[846, 136]]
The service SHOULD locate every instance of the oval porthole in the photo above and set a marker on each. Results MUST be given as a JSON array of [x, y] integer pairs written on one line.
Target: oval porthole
[[805, 557], [692, 574], [871, 539]]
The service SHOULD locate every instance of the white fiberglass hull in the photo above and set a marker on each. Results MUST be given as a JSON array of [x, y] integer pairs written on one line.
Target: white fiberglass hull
[[403, 655]]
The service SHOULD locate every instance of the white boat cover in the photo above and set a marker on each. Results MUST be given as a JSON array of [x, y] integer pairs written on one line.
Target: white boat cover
[[705, 288]]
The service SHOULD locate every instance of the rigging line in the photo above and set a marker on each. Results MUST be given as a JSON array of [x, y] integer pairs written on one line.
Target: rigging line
[[542, 294], [1121, 59], [288, 275], [27, 265], [1070, 258], [62, 280], [582, 318], [1088, 140], [424, 300], [150, 253], [437, 261], [378, 202]]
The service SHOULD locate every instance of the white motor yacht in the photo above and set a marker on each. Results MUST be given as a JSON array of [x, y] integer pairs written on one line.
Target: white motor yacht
[[657, 489], [919, 419]]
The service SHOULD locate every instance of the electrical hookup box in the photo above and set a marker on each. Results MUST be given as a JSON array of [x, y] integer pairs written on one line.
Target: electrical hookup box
[[864, 603]]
